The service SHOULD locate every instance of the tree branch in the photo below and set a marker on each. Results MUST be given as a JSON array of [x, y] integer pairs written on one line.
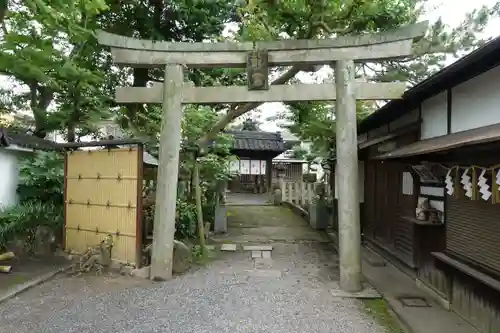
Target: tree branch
[[284, 78], [244, 108]]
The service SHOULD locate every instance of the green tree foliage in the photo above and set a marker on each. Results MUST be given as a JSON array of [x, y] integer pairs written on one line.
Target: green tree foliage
[[250, 125], [177, 20], [46, 54], [309, 19]]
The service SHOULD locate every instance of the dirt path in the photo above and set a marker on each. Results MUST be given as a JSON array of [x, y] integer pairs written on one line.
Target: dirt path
[[290, 292], [264, 224]]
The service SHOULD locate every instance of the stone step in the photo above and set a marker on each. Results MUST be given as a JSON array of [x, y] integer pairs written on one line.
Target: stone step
[[256, 254], [228, 247], [257, 248]]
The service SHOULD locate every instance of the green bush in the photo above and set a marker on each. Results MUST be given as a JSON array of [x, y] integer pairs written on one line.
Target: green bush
[[185, 224], [22, 220], [41, 178]]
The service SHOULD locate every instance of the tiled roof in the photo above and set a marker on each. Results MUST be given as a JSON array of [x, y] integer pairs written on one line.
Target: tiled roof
[[8, 138], [257, 141]]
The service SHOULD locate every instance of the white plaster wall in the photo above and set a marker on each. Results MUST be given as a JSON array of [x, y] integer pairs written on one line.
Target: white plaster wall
[[476, 103], [435, 191], [9, 177], [434, 117]]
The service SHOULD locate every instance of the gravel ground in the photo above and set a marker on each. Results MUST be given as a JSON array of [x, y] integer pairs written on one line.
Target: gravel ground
[[232, 294]]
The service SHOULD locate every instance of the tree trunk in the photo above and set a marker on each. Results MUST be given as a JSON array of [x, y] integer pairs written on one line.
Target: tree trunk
[[71, 134], [4, 7], [199, 208]]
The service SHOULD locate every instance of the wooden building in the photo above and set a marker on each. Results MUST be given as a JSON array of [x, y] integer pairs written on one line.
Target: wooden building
[[289, 169], [255, 151], [431, 187]]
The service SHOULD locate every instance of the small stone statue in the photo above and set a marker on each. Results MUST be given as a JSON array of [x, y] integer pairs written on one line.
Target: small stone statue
[[422, 209]]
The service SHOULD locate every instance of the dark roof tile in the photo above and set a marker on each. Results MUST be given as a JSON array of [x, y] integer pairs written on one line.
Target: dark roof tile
[[8, 138], [257, 141]]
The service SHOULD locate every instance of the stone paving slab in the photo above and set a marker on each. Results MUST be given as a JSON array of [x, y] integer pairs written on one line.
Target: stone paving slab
[[257, 248], [256, 254], [392, 283], [228, 247], [266, 254], [367, 293]]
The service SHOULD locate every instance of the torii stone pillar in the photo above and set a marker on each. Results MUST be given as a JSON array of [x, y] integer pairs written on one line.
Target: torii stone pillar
[[347, 169], [168, 171], [342, 51]]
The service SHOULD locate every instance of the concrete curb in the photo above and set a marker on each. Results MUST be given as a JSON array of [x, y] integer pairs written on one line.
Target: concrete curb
[[14, 291], [404, 324]]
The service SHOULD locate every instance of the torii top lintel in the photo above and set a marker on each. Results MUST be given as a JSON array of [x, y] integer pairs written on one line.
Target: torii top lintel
[[147, 53]]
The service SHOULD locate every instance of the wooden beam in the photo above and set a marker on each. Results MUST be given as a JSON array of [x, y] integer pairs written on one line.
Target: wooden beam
[[407, 32], [276, 93], [228, 59], [413, 127]]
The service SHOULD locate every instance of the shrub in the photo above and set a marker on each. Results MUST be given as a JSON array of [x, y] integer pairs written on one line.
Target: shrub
[[185, 224], [23, 219], [41, 178]]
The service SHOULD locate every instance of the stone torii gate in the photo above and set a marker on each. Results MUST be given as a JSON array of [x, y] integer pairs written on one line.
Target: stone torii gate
[[340, 53]]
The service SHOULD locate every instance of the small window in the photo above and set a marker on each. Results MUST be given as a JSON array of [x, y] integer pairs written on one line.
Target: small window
[[407, 183]]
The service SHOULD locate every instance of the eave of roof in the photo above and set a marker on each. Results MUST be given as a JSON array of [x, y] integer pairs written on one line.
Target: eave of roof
[[470, 66], [257, 141], [447, 142], [8, 138]]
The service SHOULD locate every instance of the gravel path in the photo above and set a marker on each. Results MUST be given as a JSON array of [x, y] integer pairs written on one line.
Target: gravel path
[[233, 294]]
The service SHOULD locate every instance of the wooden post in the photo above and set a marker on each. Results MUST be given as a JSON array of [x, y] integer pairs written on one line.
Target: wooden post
[[199, 207], [168, 170], [347, 161], [269, 175]]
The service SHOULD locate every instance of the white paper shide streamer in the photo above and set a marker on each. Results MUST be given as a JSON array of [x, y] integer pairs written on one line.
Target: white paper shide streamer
[[466, 182], [484, 188], [449, 183]]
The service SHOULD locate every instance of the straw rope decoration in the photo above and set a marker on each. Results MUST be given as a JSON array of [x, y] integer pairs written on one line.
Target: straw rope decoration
[[475, 187]]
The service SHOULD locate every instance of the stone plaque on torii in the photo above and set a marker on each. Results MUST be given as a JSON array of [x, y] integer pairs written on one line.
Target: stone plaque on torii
[[341, 53]]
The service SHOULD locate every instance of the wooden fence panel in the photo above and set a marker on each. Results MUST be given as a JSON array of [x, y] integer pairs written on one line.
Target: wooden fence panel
[[299, 193], [102, 199]]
